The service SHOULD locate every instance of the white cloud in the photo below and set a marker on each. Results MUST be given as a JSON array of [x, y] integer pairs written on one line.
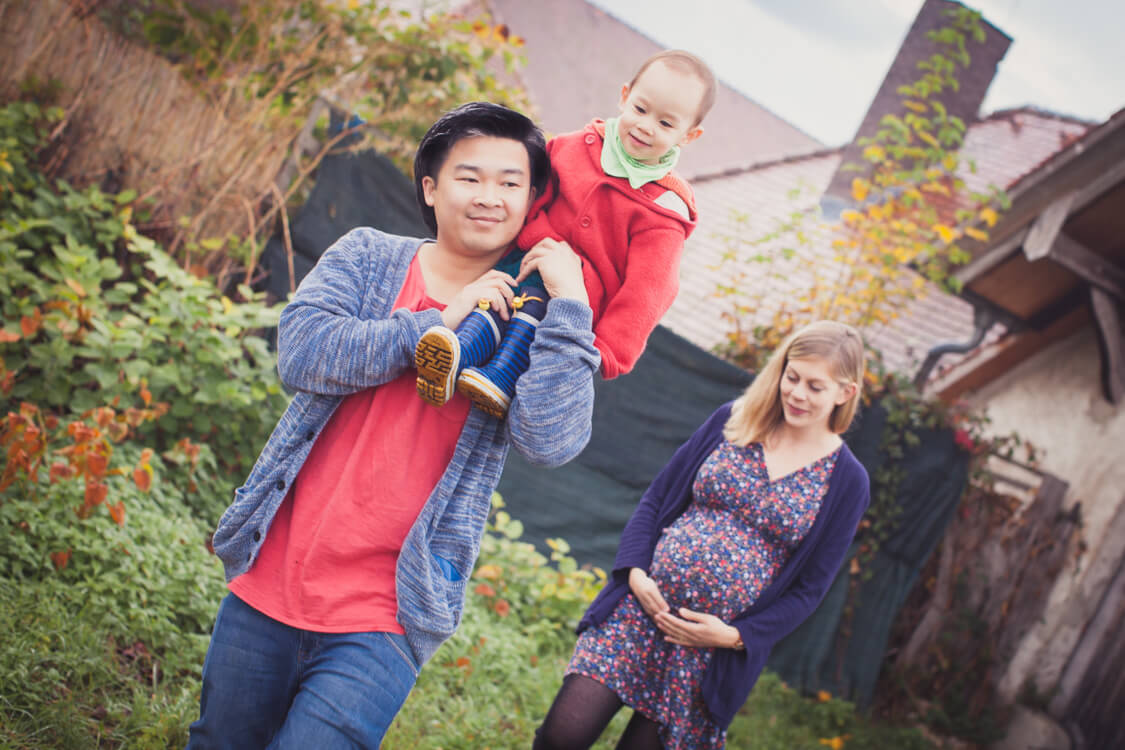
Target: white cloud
[[1065, 57]]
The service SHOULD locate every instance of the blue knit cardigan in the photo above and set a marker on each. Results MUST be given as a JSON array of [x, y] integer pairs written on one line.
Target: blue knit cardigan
[[783, 605], [338, 336]]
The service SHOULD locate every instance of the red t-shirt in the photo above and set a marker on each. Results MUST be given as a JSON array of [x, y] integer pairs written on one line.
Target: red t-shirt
[[328, 561]]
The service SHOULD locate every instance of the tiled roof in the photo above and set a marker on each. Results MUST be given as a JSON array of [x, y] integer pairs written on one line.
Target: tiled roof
[[1005, 146], [578, 56]]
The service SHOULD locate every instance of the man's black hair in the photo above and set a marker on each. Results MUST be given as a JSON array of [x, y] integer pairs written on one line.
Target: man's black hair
[[477, 119]]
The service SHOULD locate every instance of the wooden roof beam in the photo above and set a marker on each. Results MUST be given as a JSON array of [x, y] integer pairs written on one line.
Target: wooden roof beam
[[1095, 270], [1111, 340], [1107, 177]]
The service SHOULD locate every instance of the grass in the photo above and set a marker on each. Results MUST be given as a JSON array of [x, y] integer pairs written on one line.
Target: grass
[[66, 683]]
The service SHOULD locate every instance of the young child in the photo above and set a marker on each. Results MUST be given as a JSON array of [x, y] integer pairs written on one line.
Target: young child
[[614, 199]]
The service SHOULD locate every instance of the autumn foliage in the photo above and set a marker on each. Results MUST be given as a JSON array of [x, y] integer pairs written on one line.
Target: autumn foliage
[[912, 211]]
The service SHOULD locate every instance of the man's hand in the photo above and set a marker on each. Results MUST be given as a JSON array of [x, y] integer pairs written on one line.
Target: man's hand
[[494, 286], [647, 592], [560, 267], [697, 629]]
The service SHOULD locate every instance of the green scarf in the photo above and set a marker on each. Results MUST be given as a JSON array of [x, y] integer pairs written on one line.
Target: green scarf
[[617, 163]]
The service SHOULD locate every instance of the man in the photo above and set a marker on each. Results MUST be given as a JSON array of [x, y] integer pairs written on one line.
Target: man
[[349, 547]]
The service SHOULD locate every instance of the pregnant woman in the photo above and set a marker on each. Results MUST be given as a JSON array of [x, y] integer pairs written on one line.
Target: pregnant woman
[[732, 546]]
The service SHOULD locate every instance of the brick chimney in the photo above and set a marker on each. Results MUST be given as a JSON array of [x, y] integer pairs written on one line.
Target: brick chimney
[[964, 102]]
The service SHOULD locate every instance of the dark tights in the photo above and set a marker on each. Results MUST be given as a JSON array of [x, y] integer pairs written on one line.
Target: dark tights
[[581, 712]]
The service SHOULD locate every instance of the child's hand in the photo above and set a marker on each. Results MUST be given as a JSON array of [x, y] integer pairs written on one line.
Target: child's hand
[[494, 286], [560, 267]]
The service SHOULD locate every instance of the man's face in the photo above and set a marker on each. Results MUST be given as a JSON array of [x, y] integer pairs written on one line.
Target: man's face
[[481, 195]]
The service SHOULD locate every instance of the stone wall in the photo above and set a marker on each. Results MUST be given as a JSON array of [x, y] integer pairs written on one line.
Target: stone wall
[[1055, 401]]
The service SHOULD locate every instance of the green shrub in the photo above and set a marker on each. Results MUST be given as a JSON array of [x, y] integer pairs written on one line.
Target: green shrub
[[108, 522], [95, 314]]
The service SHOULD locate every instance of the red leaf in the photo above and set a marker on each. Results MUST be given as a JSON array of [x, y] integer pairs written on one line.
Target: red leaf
[[7, 337], [96, 465], [60, 471], [143, 478], [146, 395], [103, 415], [117, 512], [484, 590], [29, 324], [502, 608], [60, 559], [95, 493]]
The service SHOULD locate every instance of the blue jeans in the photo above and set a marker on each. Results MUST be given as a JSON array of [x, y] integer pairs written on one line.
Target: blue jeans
[[266, 684]]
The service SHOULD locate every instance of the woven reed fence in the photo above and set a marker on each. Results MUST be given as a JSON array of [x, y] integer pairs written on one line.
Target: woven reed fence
[[132, 121]]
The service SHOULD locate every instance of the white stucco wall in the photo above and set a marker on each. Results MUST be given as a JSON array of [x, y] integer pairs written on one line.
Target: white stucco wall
[[1055, 401]]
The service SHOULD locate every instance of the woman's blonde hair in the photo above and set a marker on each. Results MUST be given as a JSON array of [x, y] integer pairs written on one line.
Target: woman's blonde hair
[[757, 412]]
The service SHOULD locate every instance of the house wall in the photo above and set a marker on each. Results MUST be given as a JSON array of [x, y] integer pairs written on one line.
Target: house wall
[[1055, 401]]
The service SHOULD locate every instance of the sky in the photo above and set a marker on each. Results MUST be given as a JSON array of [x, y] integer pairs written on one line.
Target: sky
[[818, 63]]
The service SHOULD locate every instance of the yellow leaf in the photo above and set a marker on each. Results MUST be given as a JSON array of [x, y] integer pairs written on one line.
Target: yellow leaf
[[946, 233], [849, 216], [874, 153], [949, 161], [76, 287], [936, 187], [859, 189], [489, 571], [227, 305], [929, 139], [916, 106], [977, 234], [989, 216]]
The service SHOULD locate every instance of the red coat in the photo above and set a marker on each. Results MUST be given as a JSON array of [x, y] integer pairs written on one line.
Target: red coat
[[630, 245]]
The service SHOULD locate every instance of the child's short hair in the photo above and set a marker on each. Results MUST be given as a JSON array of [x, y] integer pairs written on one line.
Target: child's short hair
[[685, 62], [757, 412], [476, 119]]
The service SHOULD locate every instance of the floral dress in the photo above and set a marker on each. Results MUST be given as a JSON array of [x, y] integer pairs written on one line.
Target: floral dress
[[732, 539]]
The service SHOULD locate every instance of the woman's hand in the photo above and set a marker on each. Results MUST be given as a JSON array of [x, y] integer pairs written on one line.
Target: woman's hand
[[560, 267], [647, 592], [697, 629], [494, 286]]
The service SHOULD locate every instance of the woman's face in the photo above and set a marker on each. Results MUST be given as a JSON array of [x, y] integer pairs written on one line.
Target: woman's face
[[809, 392]]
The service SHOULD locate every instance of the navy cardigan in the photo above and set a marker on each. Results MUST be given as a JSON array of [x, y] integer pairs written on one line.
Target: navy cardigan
[[783, 605]]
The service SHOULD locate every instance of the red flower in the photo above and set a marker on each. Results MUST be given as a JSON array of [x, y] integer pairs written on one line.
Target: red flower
[[964, 441]]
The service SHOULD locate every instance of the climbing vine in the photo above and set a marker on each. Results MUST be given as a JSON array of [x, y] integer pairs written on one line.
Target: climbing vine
[[912, 211]]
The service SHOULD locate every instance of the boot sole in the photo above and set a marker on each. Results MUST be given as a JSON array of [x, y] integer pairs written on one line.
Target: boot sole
[[484, 393], [436, 358]]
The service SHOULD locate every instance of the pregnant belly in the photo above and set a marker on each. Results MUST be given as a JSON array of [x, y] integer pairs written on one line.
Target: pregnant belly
[[710, 568]]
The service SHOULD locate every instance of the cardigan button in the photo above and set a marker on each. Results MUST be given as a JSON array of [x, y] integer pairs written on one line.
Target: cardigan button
[[310, 434], [590, 138], [280, 484], [257, 536], [585, 221]]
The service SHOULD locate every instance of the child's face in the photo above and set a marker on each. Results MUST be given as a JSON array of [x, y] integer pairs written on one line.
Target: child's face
[[659, 111]]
